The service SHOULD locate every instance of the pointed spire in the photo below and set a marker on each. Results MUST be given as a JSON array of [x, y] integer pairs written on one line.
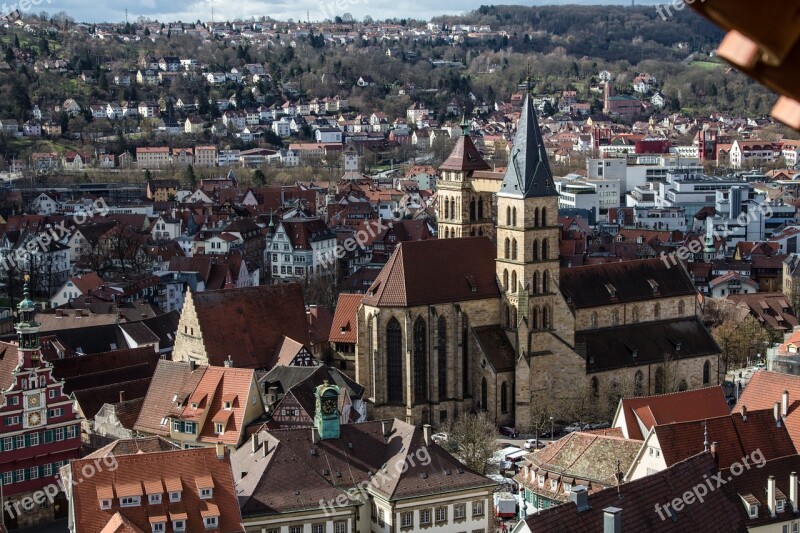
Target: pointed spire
[[528, 174], [464, 126]]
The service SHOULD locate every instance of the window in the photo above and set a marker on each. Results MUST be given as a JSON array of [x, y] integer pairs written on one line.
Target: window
[[158, 526], [381, 521], [59, 433], [459, 511], [14, 400], [406, 519], [394, 361], [340, 526], [553, 484], [503, 398], [105, 504], [48, 470], [72, 432], [8, 478], [218, 429], [205, 494], [425, 516], [274, 530], [33, 472], [541, 480], [420, 361], [477, 508], [20, 442], [317, 528], [154, 499], [442, 357], [441, 514], [753, 511], [211, 522], [174, 496], [52, 393], [779, 505], [567, 487], [131, 501], [8, 443], [706, 372]]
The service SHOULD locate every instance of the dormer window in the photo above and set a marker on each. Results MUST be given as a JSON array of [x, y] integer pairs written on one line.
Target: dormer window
[[154, 499], [752, 511], [130, 501], [219, 429], [105, 504], [158, 527], [175, 496], [211, 521], [780, 505], [206, 494], [227, 406], [179, 525], [541, 481]]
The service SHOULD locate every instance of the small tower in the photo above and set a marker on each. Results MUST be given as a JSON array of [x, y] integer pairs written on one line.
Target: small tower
[[464, 210], [352, 162], [326, 416], [709, 251], [28, 330]]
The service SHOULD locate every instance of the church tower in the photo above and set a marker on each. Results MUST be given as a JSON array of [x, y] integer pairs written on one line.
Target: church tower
[[527, 233], [463, 210]]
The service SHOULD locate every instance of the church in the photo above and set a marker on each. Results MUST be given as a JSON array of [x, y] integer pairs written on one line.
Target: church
[[486, 319]]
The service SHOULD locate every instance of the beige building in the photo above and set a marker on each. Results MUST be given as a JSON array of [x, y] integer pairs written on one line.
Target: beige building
[[152, 157], [464, 323], [205, 156]]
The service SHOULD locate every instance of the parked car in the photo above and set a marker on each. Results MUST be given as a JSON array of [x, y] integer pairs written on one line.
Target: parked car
[[572, 428], [508, 432], [532, 444], [439, 438], [547, 434], [598, 425]]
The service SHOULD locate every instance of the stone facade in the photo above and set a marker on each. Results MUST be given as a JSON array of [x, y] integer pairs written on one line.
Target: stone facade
[[189, 344], [539, 320]]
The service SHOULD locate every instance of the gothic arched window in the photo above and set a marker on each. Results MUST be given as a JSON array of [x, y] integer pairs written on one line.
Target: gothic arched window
[[514, 249], [394, 361], [544, 250], [442, 359], [420, 361]]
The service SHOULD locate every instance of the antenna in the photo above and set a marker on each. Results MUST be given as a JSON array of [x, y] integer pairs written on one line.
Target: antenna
[[212, 11], [705, 435], [126, 15]]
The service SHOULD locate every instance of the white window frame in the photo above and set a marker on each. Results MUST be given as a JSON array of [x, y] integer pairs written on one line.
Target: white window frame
[[105, 503], [206, 494], [477, 508], [407, 519], [439, 512], [175, 496], [130, 501], [154, 499], [211, 522]]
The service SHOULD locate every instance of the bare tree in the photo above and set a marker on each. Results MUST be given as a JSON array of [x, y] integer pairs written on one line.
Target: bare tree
[[472, 438]]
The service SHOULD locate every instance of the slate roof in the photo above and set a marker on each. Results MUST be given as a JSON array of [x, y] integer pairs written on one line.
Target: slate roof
[[436, 271], [286, 377], [684, 406], [752, 482], [623, 282], [493, 342], [289, 478], [638, 498], [72, 367], [765, 388], [92, 399], [179, 468], [644, 343], [528, 174], [134, 446], [249, 324]]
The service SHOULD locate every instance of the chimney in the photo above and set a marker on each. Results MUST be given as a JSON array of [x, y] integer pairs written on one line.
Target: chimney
[[579, 495], [121, 396], [785, 404], [220, 451], [771, 504], [714, 451], [385, 430], [228, 362], [315, 435], [426, 434], [192, 365], [254, 443], [793, 491], [776, 412], [744, 413], [612, 520]]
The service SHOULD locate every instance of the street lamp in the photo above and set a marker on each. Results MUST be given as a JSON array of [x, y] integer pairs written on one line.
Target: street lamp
[[552, 433]]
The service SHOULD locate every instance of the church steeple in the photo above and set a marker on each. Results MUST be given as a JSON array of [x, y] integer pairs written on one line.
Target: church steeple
[[528, 174], [27, 327]]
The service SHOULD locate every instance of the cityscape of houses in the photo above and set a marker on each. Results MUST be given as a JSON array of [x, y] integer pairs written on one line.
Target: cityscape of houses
[[569, 310]]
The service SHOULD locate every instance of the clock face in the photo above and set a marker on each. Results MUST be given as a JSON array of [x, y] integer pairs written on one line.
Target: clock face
[[34, 419], [329, 406], [33, 400]]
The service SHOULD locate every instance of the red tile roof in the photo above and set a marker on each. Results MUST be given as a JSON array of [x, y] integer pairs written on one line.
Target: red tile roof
[[248, 324], [133, 472], [735, 436], [697, 404], [637, 499], [464, 157], [345, 319], [436, 271], [765, 388]]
